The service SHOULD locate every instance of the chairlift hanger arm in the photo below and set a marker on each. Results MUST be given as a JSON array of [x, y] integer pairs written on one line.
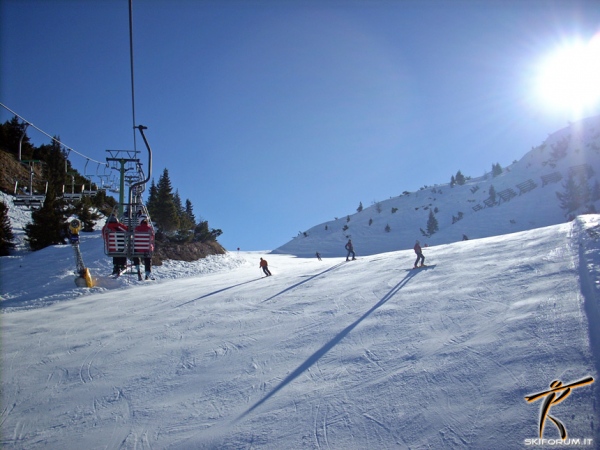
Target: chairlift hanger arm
[[133, 186]]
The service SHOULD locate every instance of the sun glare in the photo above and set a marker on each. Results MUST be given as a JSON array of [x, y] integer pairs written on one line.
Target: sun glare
[[569, 78]]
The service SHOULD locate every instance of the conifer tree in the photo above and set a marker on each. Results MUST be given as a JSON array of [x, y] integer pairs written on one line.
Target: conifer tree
[[493, 194], [573, 195], [55, 165], [10, 135], [6, 234], [496, 169], [432, 224], [360, 207], [166, 215], [187, 221], [203, 234], [85, 215], [178, 204], [48, 226], [460, 178], [189, 211], [152, 199]]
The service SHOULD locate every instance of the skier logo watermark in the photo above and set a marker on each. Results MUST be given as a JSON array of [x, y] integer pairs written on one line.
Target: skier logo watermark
[[553, 396]]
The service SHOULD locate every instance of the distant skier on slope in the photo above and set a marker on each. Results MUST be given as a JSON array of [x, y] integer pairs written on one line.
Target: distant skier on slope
[[420, 255], [350, 248], [265, 267]]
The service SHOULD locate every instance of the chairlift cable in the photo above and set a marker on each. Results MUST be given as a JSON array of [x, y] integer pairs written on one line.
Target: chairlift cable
[[69, 149], [132, 77]]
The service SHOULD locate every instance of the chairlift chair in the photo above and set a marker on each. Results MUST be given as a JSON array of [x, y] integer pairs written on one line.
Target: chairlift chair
[[29, 198], [129, 243]]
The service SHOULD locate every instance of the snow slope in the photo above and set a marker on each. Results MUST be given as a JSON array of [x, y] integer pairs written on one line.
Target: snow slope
[[324, 354]]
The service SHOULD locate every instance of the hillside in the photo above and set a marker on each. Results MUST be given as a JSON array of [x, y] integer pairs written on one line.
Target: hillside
[[12, 171], [526, 199]]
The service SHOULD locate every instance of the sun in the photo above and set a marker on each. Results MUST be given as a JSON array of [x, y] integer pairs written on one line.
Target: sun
[[569, 78]]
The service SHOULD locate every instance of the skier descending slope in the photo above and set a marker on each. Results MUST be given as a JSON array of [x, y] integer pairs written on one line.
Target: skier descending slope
[[420, 255], [265, 267]]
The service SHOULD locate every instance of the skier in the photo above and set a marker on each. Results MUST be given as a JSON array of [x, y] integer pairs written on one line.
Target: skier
[[143, 227], [265, 267], [113, 224], [318, 256], [350, 248], [420, 256]]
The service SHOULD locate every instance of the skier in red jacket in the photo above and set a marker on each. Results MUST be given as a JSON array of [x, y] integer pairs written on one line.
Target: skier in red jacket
[[113, 225], [144, 227]]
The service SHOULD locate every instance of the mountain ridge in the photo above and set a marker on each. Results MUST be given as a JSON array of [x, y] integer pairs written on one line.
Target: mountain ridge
[[526, 198]]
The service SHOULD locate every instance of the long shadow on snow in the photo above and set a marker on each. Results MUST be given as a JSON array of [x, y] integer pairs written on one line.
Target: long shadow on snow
[[304, 281], [332, 343], [220, 290]]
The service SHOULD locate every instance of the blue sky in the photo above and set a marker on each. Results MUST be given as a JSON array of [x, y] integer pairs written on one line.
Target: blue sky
[[274, 116]]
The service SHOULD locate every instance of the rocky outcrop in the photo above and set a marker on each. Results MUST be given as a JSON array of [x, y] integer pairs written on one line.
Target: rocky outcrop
[[189, 251]]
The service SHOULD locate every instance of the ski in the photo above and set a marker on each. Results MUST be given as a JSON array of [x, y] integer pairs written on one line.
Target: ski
[[421, 267], [119, 273]]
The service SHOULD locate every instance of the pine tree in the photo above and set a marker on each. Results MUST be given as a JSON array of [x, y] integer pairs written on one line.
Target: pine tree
[[460, 178], [55, 163], [496, 169], [152, 198], [360, 207], [85, 215], [493, 194], [573, 195], [203, 234], [187, 222], [452, 181], [178, 203], [6, 234], [10, 135], [432, 224], [48, 226], [189, 211], [166, 215]]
